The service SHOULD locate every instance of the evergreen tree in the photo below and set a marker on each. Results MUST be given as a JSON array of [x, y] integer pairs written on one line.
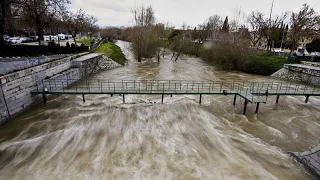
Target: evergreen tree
[[225, 27]]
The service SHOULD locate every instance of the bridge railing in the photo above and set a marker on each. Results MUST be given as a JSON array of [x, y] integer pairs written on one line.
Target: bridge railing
[[140, 86], [253, 92], [282, 88]]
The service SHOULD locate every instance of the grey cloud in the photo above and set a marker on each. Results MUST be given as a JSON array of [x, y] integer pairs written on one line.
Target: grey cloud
[[193, 12]]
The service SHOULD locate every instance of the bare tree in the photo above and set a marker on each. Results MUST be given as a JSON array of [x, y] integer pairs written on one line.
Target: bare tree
[[3, 11], [256, 22], [92, 26], [270, 29], [213, 25], [144, 16], [5, 7], [164, 34], [202, 33], [41, 12], [180, 42], [145, 36], [110, 33], [185, 26], [75, 23], [303, 25]]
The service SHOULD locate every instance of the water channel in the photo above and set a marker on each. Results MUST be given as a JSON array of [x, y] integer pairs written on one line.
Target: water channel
[[144, 139]]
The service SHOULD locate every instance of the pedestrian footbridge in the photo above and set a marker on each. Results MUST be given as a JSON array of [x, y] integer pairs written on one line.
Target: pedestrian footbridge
[[251, 92]]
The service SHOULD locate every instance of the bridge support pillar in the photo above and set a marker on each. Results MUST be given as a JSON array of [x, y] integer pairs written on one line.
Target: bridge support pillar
[[124, 100], [83, 99], [200, 100], [307, 99], [245, 107], [170, 95], [277, 101], [162, 98], [257, 108], [111, 95], [234, 100], [44, 98]]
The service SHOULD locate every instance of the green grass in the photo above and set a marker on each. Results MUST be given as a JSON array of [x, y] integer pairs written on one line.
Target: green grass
[[112, 51], [85, 41]]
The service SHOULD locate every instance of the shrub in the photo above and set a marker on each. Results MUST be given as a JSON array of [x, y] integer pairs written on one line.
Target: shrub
[[232, 53], [263, 64], [227, 54]]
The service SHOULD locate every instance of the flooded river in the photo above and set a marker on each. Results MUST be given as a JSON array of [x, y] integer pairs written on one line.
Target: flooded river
[[144, 139]]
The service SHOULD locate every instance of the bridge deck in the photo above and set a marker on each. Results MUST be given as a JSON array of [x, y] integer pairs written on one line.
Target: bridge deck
[[251, 92]]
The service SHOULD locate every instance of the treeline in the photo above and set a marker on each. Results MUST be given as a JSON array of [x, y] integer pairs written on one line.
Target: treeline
[[43, 16], [227, 43]]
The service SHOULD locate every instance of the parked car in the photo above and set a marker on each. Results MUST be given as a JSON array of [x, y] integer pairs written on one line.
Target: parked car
[[61, 36], [68, 36], [54, 38], [15, 40], [297, 54], [278, 50], [50, 38], [26, 40], [34, 38], [6, 38], [315, 54], [46, 38]]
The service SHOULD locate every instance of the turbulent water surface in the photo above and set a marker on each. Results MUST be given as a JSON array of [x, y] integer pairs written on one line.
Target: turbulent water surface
[[144, 139]]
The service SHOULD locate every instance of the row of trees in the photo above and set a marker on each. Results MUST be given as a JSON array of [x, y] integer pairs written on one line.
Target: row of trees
[[39, 15], [302, 27], [226, 43], [287, 30]]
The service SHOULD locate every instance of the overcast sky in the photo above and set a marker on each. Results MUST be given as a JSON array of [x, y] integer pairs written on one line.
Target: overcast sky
[[177, 12]]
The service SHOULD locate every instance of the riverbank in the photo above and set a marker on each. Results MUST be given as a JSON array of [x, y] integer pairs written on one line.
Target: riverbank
[[112, 51], [238, 59]]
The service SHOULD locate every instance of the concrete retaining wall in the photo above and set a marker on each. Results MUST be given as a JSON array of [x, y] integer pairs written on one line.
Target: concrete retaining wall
[[310, 160], [86, 66], [17, 86], [299, 73], [8, 65]]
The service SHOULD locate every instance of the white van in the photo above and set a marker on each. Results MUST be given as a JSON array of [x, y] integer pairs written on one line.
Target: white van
[[54, 38], [50, 38], [46, 38], [61, 36]]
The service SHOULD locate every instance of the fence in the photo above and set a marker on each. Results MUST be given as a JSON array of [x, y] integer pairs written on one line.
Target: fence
[[253, 92], [26, 50], [97, 44]]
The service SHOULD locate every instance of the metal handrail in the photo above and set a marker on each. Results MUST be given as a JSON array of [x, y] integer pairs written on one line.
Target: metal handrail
[[248, 90]]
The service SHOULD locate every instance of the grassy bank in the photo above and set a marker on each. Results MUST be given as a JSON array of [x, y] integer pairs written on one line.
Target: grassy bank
[[85, 41], [112, 51]]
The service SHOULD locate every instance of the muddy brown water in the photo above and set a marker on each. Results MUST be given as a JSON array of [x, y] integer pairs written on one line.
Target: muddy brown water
[[144, 139]]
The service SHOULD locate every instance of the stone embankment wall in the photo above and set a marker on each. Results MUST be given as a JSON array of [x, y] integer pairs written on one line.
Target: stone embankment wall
[[299, 73], [16, 87], [8, 65], [310, 160]]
